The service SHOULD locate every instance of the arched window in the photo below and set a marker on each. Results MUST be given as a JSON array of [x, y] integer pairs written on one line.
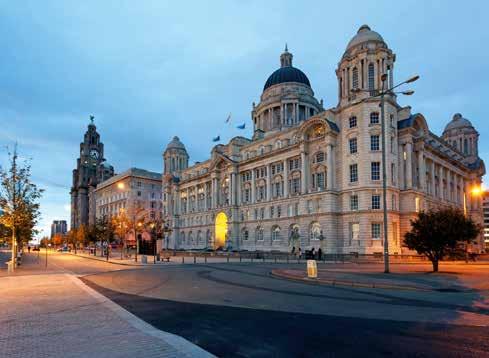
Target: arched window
[[319, 157], [199, 237], [182, 238], [355, 78], [278, 144], [315, 231], [259, 233], [371, 78], [190, 239], [466, 146], [275, 232]]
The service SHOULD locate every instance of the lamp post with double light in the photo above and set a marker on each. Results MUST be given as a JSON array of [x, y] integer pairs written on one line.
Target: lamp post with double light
[[383, 92]]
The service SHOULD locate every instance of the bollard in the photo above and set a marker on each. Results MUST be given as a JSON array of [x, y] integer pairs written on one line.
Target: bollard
[[195, 259], [183, 259]]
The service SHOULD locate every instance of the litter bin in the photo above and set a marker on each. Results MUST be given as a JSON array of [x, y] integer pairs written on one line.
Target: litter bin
[[10, 266], [312, 269], [144, 259]]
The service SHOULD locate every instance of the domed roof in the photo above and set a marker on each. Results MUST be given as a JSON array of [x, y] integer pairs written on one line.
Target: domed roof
[[364, 34], [458, 122], [286, 73], [175, 144]]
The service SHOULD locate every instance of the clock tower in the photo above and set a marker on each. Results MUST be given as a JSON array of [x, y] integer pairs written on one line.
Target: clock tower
[[91, 169]]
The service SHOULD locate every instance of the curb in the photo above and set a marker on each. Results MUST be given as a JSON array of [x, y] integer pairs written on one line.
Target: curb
[[184, 347], [329, 282], [109, 261]]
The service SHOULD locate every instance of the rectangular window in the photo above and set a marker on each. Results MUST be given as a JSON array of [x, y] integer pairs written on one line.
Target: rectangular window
[[353, 173], [393, 173], [272, 210], [353, 145], [417, 204], [320, 181], [374, 142], [353, 122], [374, 118], [279, 211], [295, 186], [375, 202], [354, 202], [375, 170], [376, 231], [139, 193], [294, 164]]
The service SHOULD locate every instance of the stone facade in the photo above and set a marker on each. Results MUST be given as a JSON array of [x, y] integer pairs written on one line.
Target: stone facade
[[311, 177], [91, 169], [130, 191]]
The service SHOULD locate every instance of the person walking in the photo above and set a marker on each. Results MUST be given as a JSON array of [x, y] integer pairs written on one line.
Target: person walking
[[313, 254], [320, 254]]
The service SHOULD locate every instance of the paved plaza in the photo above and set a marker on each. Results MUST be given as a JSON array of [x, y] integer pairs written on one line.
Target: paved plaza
[[242, 309]]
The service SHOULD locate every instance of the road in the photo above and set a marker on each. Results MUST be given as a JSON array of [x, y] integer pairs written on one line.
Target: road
[[239, 310]]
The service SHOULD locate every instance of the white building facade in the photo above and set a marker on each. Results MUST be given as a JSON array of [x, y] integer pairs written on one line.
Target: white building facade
[[135, 191], [311, 177]]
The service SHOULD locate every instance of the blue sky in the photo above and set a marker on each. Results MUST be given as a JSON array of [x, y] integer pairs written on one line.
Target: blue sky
[[149, 70]]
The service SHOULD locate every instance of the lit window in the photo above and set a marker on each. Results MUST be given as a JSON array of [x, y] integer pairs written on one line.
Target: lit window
[[417, 204]]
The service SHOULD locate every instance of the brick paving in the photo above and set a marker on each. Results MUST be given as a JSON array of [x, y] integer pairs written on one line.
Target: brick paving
[[55, 315]]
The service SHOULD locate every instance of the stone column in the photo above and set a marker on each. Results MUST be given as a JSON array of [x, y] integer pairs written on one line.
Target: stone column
[[432, 178], [232, 189], [440, 182], [304, 175], [187, 207], [402, 162], [269, 182], [421, 171], [329, 174], [282, 114], [253, 187], [286, 178], [409, 165], [205, 195], [214, 193], [238, 188]]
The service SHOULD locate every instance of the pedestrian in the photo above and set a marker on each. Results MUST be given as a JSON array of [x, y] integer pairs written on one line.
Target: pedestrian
[[313, 254], [29, 248], [320, 254], [299, 252], [293, 250]]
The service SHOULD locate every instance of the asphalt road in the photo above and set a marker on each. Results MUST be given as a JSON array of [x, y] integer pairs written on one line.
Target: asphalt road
[[235, 310]]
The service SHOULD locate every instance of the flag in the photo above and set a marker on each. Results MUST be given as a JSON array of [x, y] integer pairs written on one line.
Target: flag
[[228, 119], [216, 139], [241, 126]]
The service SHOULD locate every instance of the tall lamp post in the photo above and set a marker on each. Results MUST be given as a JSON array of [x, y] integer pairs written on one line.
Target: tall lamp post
[[385, 91]]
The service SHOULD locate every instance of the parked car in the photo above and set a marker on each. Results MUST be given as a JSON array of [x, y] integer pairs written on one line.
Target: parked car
[[35, 248], [64, 249]]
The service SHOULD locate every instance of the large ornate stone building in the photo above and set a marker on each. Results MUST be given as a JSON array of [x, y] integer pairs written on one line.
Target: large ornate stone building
[[91, 169], [311, 177]]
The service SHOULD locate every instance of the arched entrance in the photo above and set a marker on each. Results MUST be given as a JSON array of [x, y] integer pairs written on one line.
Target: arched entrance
[[221, 230]]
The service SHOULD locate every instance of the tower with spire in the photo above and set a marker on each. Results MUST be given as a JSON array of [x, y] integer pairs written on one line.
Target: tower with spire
[[91, 169]]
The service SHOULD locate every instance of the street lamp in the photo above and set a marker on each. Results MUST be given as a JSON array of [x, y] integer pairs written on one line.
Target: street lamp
[[382, 94]]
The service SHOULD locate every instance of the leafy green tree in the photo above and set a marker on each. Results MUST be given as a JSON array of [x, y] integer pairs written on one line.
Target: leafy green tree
[[19, 200], [436, 234]]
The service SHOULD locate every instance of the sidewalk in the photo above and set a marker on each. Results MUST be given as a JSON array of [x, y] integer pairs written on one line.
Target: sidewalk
[[57, 315]]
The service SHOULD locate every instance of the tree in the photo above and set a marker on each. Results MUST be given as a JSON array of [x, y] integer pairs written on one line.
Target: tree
[[57, 239], [73, 238], [81, 234], [121, 225], [436, 234], [45, 241], [19, 201]]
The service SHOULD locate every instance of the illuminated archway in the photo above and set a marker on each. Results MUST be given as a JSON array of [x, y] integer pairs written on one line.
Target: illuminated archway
[[221, 230]]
